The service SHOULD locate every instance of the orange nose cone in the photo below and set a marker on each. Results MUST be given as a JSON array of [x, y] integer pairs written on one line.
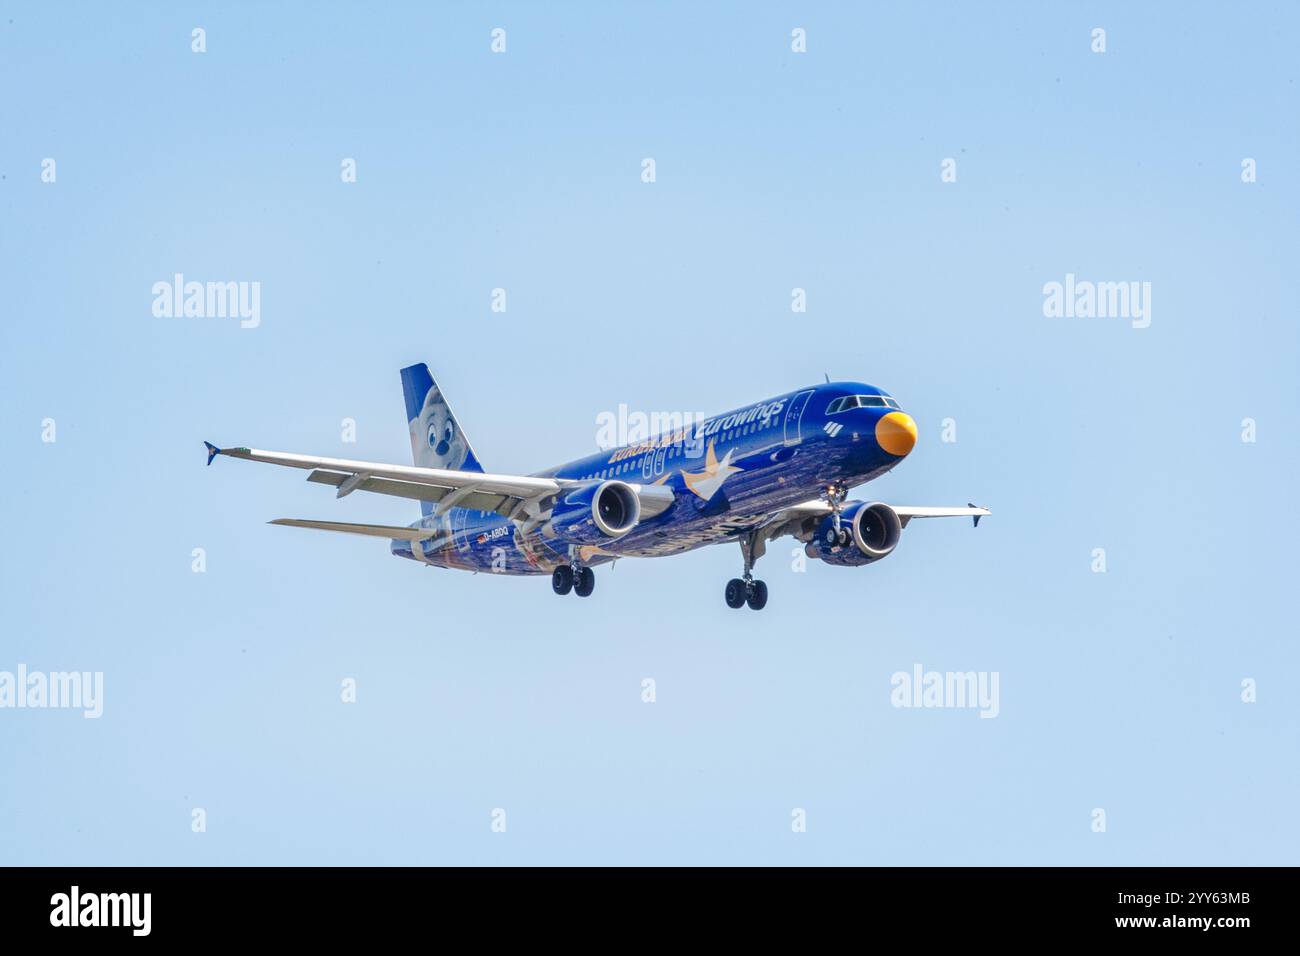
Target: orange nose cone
[[896, 433]]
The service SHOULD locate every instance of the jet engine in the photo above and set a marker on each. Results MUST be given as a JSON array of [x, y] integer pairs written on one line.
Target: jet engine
[[595, 512], [867, 533]]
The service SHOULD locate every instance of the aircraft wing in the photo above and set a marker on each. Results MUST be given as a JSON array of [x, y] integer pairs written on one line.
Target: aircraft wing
[[464, 489], [817, 507], [908, 512]]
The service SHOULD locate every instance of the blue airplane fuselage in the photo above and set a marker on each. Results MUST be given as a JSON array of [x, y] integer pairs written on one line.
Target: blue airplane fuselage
[[726, 472]]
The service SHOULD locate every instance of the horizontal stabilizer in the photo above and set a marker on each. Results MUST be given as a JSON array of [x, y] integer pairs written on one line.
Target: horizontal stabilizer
[[373, 530]]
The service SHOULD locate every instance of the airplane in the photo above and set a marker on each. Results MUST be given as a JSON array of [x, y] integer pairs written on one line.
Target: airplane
[[782, 466]]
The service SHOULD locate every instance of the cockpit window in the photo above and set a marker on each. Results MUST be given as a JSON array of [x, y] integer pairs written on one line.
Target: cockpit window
[[860, 401]]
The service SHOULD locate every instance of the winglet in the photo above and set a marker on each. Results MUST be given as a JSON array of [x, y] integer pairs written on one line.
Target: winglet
[[213, 451], [976, 518]]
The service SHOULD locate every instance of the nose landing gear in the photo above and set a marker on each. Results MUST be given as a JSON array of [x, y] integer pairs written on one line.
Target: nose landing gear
[[834, 495]]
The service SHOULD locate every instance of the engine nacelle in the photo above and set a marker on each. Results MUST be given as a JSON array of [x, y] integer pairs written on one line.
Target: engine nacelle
[[595, 512], [868, 532]]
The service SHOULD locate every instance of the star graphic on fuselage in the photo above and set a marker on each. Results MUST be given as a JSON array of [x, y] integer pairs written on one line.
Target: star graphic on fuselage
[[707, 482]]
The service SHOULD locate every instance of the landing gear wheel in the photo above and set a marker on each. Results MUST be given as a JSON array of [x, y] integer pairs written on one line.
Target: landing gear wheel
[[562, 579], [736, 591], [584, 582], [757, 599]]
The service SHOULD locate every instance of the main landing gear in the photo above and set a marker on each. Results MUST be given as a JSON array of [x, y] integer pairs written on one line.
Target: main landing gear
[[745, 590], [573, 577]]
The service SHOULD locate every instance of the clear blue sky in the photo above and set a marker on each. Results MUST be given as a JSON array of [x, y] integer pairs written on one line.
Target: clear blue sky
[[775, 170]]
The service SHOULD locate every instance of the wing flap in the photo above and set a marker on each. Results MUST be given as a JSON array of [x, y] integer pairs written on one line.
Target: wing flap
[[502, 504], [383, 486]]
